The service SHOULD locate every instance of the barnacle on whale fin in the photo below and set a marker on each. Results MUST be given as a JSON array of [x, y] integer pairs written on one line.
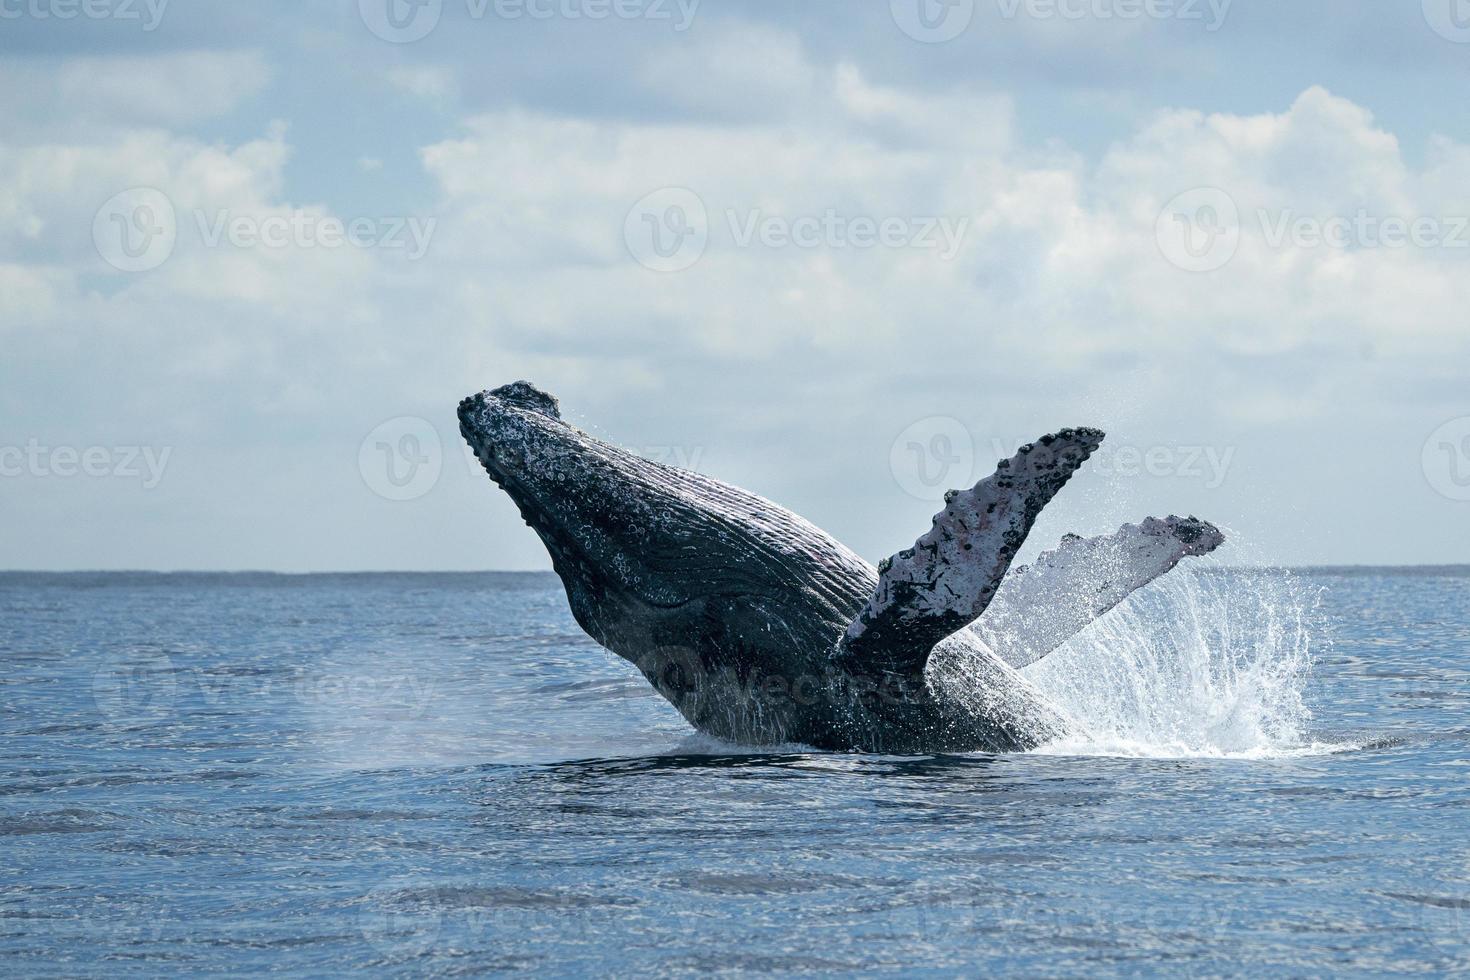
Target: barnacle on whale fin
[[941, 584]]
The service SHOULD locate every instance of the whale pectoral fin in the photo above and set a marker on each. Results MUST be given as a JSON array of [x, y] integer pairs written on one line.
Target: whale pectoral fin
[[941, 584], [1040, 607]]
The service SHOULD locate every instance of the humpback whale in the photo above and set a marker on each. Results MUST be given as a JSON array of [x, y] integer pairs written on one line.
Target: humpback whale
[[762, 629]]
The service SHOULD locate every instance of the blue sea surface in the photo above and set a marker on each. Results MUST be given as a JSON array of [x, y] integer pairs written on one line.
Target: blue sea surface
[[440, 774]]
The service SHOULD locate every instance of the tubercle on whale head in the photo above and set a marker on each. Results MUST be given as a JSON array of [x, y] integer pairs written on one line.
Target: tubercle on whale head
[[619, 528], [581, 496], [546, 466], [522, 394], [644, 548], [509, 428]]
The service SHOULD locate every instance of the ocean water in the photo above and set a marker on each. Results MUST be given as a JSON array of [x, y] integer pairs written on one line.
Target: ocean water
[[440, 774]]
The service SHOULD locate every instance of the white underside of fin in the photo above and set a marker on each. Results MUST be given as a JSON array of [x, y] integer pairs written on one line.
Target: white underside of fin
[[1040, 607]]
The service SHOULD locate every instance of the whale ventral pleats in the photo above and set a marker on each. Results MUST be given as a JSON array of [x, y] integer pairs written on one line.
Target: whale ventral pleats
[[759, 628], [525, 395]]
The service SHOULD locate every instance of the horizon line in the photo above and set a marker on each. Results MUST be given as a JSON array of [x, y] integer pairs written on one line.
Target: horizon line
[[1330, 566]]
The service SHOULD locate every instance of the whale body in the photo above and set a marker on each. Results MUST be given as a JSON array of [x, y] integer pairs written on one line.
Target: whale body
[[762, 629]]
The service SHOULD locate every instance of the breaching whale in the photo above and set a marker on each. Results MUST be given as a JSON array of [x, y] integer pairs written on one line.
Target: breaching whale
[[762, 629]]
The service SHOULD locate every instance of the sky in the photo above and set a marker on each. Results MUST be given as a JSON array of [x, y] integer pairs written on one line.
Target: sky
[[843, 254]]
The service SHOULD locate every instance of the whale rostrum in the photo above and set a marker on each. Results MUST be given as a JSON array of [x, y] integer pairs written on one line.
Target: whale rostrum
[[762, 629]]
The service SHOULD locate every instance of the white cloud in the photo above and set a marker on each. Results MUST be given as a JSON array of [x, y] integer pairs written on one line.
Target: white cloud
[[1058, 256], [432, 83], [1058, 283], [55, 189], [1323, 160], [963, 120], [741, 69], [71, 96]]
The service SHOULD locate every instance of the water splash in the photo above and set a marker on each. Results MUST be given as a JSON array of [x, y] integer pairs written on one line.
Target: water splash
[[1205, 663]]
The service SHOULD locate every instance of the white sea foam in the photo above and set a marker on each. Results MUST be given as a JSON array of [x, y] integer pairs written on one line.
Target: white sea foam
[[1204, 663]]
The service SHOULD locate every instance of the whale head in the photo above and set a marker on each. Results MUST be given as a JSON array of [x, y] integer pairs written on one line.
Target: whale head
[[553, 473], [645, 550]]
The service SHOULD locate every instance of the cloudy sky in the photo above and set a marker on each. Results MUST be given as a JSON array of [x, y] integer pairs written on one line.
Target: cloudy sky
[[842, 253]]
